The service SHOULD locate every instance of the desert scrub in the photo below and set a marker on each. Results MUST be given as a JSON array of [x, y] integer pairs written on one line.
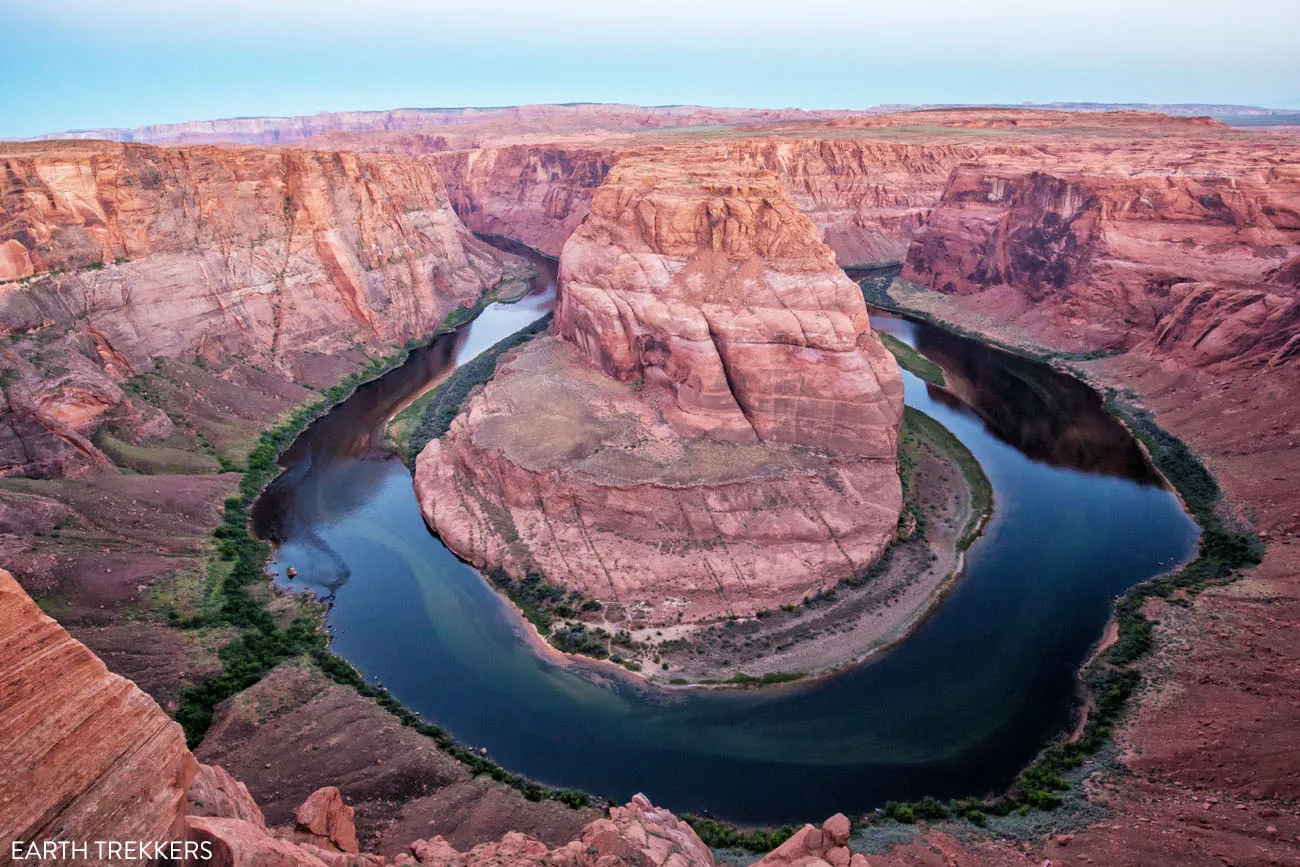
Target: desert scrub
[[912, 361], [262, 643], [442, 404], [981, 488], [720, 835]]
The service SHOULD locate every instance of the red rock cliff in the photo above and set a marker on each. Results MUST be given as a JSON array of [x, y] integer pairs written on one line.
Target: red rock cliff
[[1102, 245], [295, 261], [266, 254], [534, 194]]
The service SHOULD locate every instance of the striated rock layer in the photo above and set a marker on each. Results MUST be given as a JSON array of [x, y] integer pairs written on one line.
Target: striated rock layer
[[84, 754], [296, 261], [713, 430], [1106, 248]]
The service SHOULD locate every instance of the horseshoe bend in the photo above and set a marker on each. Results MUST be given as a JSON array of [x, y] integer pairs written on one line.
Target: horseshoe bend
[[320, 436]]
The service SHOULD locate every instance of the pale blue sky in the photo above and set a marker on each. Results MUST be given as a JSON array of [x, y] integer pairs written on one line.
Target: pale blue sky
[[88, 63]]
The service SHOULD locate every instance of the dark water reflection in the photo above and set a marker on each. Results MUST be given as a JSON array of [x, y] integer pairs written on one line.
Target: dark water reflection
[[955, 710], [1046, 415]]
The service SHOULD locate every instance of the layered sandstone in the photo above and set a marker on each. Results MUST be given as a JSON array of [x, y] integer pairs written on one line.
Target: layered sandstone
[[867, 198], [712, 431], [1105, 247], [533, 194], [298, 261], [84, 754]]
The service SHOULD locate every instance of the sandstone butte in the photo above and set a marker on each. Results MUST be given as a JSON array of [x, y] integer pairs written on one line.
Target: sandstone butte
[[1084, 226], [1093, 230], [713, 428]]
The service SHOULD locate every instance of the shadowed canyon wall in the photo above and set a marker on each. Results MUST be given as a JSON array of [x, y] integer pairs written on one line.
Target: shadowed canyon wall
[[1108, 249]]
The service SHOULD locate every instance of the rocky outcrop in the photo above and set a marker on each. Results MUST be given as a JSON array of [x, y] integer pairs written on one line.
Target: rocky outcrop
[[324, 816], [702, 278], [637, 835], [713, 432], [1241, 325], [236, 843], [215, 793], [827, 846], [84, 754]]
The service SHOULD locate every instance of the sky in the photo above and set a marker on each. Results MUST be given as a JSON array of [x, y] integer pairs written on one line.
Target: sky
[[68, 64]]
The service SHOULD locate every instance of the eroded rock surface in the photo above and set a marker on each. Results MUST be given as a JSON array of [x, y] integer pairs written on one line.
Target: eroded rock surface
[[638, 835], [714, 429], [296, 261], [1103, 247], [84, 754]]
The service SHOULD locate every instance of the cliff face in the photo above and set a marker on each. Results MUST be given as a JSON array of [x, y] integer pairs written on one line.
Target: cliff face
[[534, 194], [1106, 250], [867, 198], [295, 261], [703, 277], [84, 754], [715, 430]]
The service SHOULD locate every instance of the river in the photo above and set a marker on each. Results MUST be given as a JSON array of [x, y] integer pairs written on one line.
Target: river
[[955, 710]]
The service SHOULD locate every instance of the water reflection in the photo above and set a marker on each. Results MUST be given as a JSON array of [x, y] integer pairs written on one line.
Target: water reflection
[[1047, 415]]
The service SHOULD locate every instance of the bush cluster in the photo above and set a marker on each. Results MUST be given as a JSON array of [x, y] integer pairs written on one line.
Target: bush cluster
[[446, 401], [720, 835]]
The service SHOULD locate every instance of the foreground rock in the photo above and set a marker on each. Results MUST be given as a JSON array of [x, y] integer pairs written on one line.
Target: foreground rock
[[84, 754], [638, 834], [714, 429], [827, 846], [324, 816]]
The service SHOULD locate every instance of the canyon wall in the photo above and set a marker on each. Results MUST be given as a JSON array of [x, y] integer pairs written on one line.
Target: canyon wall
[[1106, 250], [714, 430], [533, 194], [867, 198], [302, 262]]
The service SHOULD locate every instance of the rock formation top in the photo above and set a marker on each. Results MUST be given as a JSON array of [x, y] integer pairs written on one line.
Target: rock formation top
[[700, 275], [636, 835]]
